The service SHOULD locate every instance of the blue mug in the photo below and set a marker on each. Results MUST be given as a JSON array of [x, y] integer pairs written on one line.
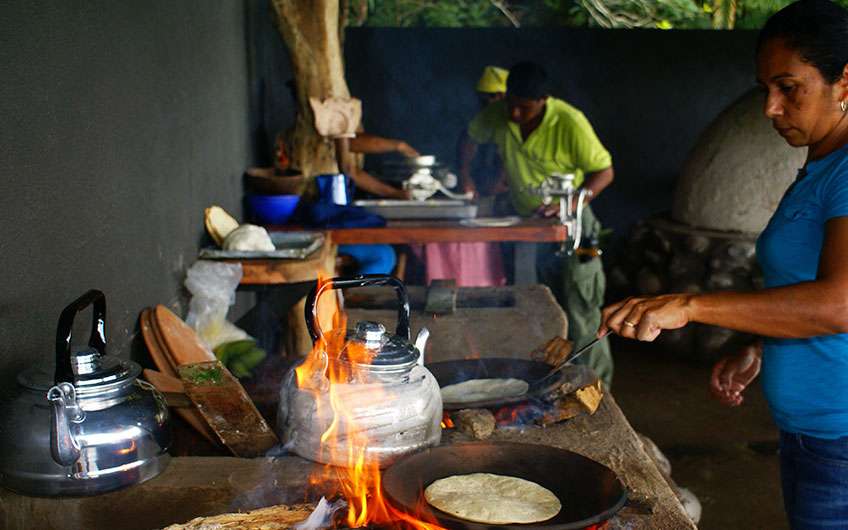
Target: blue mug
[[334, 189]]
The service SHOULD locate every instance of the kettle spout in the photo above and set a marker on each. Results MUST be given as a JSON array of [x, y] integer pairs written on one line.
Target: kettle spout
[[421, 343], [65, 410]]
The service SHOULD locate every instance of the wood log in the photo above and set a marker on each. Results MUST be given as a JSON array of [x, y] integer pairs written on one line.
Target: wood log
[[280, 517], [476, 423], [311, 29], [590, 396]]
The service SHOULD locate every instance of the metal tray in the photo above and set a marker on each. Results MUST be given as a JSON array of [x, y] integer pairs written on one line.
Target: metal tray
[[429, 209], [290, 245]]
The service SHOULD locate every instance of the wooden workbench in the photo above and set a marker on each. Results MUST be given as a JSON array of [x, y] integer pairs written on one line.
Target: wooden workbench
[[200, 486]]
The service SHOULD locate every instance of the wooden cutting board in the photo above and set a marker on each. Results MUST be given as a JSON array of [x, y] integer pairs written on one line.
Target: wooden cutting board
[[225, 405], [182, 343], [154, 346], [166, 379], [219, 397]]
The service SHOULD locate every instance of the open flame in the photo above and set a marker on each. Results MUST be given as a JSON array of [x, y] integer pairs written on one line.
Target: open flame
[[359, 480]]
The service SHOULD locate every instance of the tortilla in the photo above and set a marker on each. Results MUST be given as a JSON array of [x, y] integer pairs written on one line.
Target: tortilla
[[493, 499], [483, 390]]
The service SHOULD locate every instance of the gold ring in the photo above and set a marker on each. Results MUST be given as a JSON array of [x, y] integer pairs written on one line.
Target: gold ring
[[628, 323]]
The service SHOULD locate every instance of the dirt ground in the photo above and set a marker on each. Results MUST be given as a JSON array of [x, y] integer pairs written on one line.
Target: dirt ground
[[726, 456]]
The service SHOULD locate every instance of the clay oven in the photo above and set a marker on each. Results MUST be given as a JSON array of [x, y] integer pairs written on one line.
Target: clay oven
[[730, 184]]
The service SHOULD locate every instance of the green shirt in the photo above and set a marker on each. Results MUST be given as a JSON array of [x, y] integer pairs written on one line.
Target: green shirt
[[563, 143]]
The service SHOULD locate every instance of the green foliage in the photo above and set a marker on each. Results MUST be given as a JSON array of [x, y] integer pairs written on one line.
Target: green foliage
[[659, 14], [430, 13]]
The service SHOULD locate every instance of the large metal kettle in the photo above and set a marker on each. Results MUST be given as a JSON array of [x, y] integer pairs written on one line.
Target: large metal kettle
[[392, 404], [89, 428]]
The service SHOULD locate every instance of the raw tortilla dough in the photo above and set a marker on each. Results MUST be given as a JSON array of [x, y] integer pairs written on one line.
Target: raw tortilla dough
[[493, 499], [249, 237], [483, 389]]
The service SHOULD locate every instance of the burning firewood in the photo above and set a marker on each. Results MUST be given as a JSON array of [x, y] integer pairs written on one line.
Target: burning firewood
[[477, 423], [280, 517], [553, 352], [590, 396]]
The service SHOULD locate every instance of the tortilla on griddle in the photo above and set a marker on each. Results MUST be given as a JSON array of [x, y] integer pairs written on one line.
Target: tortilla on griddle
[[483, 390], [493, 499]]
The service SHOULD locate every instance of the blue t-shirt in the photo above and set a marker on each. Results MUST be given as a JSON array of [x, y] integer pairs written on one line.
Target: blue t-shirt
[[806, 380]]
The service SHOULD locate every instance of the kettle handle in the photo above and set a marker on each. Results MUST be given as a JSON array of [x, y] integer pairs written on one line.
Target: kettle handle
[[96, 299], [365, 280]]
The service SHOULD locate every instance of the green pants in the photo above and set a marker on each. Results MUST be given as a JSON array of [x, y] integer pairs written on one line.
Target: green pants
[[579, 289]]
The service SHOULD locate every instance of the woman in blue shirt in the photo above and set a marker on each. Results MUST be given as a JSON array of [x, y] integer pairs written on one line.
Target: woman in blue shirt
[[802, 314]]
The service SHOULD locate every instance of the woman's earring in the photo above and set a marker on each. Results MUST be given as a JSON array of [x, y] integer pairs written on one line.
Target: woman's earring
[[843, 105]]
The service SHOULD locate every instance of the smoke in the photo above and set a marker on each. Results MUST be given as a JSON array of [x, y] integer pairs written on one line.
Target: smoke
[[322, 516]]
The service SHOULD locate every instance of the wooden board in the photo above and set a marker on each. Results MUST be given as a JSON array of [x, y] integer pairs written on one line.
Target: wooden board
[[168, 375], [225, 405], [182, 343], [154, 345]]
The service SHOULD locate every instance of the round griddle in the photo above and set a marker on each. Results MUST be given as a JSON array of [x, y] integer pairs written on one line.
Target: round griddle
[[590, 493], [457, 371]]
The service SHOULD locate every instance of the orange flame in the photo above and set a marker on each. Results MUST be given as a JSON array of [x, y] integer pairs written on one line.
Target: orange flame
[[447, 422], [359, 480]]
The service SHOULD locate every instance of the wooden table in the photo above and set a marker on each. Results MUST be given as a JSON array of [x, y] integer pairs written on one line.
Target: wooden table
[[201, 486], [529, 230], [526, 234]]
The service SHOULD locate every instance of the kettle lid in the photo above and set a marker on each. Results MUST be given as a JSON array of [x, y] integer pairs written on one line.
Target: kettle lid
[[390, 352], [92, 374]]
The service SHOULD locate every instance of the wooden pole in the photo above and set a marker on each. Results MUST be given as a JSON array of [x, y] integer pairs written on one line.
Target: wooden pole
[[312, 30]]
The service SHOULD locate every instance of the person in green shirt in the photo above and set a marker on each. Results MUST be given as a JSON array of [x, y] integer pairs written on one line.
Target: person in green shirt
[[538, 135]]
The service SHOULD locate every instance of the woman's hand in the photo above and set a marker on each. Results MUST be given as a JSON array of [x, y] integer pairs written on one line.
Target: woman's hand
[[644, 318], [732, 375]]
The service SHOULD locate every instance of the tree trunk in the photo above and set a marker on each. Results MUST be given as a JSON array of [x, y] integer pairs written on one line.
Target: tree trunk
[[312, 31]]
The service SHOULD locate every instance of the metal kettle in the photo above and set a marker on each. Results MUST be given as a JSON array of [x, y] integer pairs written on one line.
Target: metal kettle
[[92, 427], [390, 397]]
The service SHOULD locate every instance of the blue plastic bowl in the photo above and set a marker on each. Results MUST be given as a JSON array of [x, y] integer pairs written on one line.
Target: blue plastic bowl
[[272, 209]]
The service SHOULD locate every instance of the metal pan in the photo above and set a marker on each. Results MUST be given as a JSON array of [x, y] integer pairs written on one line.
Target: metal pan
[[590, 492], [452, 372]]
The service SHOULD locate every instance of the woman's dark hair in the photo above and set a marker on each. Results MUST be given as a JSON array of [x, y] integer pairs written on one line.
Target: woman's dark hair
[[527, 80], [817, 30]]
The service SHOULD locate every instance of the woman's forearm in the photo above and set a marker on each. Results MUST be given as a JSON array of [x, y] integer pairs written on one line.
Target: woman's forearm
[[801, 310]]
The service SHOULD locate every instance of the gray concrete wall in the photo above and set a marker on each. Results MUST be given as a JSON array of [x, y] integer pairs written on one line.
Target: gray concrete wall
[[648, 93], [121, 122]]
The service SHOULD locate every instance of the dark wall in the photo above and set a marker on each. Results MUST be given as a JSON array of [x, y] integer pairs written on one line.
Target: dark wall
[[648, 93], [121, 122]]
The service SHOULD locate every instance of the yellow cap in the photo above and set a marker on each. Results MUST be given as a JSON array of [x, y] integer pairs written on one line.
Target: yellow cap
[[493, 80]]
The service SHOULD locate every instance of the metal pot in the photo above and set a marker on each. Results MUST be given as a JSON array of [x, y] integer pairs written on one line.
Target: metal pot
[[392, 403], [92, 427]]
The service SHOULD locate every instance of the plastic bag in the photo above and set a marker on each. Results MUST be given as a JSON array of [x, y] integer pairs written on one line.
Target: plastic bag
[[213, 288]]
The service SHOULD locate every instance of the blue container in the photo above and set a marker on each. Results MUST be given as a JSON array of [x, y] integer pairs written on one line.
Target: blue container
[[272, 209], [334, 189]]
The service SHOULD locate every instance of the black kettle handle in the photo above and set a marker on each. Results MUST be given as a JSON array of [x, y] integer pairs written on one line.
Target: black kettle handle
[[96, 299], [366, 280]]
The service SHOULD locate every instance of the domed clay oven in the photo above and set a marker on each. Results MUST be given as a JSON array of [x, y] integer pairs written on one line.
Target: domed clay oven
[[729, 187]]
